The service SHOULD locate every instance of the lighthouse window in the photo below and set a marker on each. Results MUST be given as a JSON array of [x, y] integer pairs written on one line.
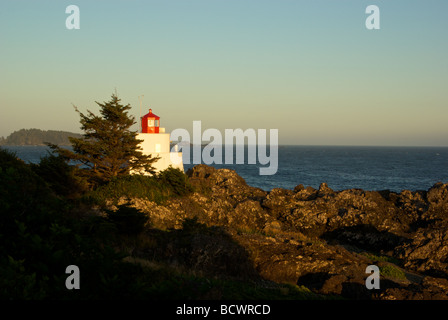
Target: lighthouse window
[[156, 123], [150, 123], [158, 147]]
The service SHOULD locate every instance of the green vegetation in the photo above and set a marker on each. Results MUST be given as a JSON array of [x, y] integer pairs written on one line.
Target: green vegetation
[[39, 240], [389, 270], [34, 137], [392, 272], [158, 188], [173, 285], [61, 178], [375, 257]]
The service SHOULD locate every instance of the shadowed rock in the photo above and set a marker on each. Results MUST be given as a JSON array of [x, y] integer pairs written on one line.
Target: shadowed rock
[[322, 239]]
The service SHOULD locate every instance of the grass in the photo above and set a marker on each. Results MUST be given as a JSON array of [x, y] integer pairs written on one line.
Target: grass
[[168, 283], [374, 257], [392, 272], [388, 270]]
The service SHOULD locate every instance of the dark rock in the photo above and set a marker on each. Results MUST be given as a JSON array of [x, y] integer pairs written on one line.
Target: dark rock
[[312, 237], [324, 190], [427, 252], [366, 237]]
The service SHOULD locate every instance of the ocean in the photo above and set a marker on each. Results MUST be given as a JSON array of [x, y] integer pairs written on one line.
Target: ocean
[[368, 168]]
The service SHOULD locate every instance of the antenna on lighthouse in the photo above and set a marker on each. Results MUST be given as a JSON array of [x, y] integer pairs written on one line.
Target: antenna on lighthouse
[[140, 118]]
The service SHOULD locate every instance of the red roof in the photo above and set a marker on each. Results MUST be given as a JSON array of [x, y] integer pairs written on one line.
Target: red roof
[[151, 115]]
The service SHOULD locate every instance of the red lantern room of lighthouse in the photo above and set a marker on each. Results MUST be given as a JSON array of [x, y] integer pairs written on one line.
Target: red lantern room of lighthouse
[[156, 143], [150, 123]]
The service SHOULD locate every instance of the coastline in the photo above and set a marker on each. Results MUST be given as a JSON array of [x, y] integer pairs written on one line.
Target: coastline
[[316, 238]]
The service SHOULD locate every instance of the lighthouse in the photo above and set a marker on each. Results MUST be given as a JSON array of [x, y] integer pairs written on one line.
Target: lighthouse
[[156, 143]]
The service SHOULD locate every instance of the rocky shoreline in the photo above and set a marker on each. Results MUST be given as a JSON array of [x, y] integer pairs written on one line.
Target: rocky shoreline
[[317, 238]]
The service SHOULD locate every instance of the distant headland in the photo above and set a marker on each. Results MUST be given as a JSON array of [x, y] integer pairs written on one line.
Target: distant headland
[[37, 137]]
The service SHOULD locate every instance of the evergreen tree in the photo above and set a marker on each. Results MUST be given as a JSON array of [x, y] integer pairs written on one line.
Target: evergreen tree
[[108, 149]]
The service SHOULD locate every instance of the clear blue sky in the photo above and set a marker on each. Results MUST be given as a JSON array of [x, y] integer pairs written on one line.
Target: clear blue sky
[[308, 68]]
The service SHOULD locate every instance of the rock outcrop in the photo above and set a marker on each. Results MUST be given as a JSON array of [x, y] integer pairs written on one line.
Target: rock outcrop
[[319, 238]]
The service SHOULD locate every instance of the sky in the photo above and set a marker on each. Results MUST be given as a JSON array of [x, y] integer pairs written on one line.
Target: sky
[[309, 68]]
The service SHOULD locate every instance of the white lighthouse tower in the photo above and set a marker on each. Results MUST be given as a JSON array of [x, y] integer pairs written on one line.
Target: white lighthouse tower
[[157, 143]]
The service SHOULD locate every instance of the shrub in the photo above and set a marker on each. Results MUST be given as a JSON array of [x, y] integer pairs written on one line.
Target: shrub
[[132, 186], [167, 184], [60, 176], [39, 240], [176, 180]]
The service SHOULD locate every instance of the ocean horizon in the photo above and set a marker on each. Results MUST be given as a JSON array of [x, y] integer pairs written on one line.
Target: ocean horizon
[[372, 168]]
